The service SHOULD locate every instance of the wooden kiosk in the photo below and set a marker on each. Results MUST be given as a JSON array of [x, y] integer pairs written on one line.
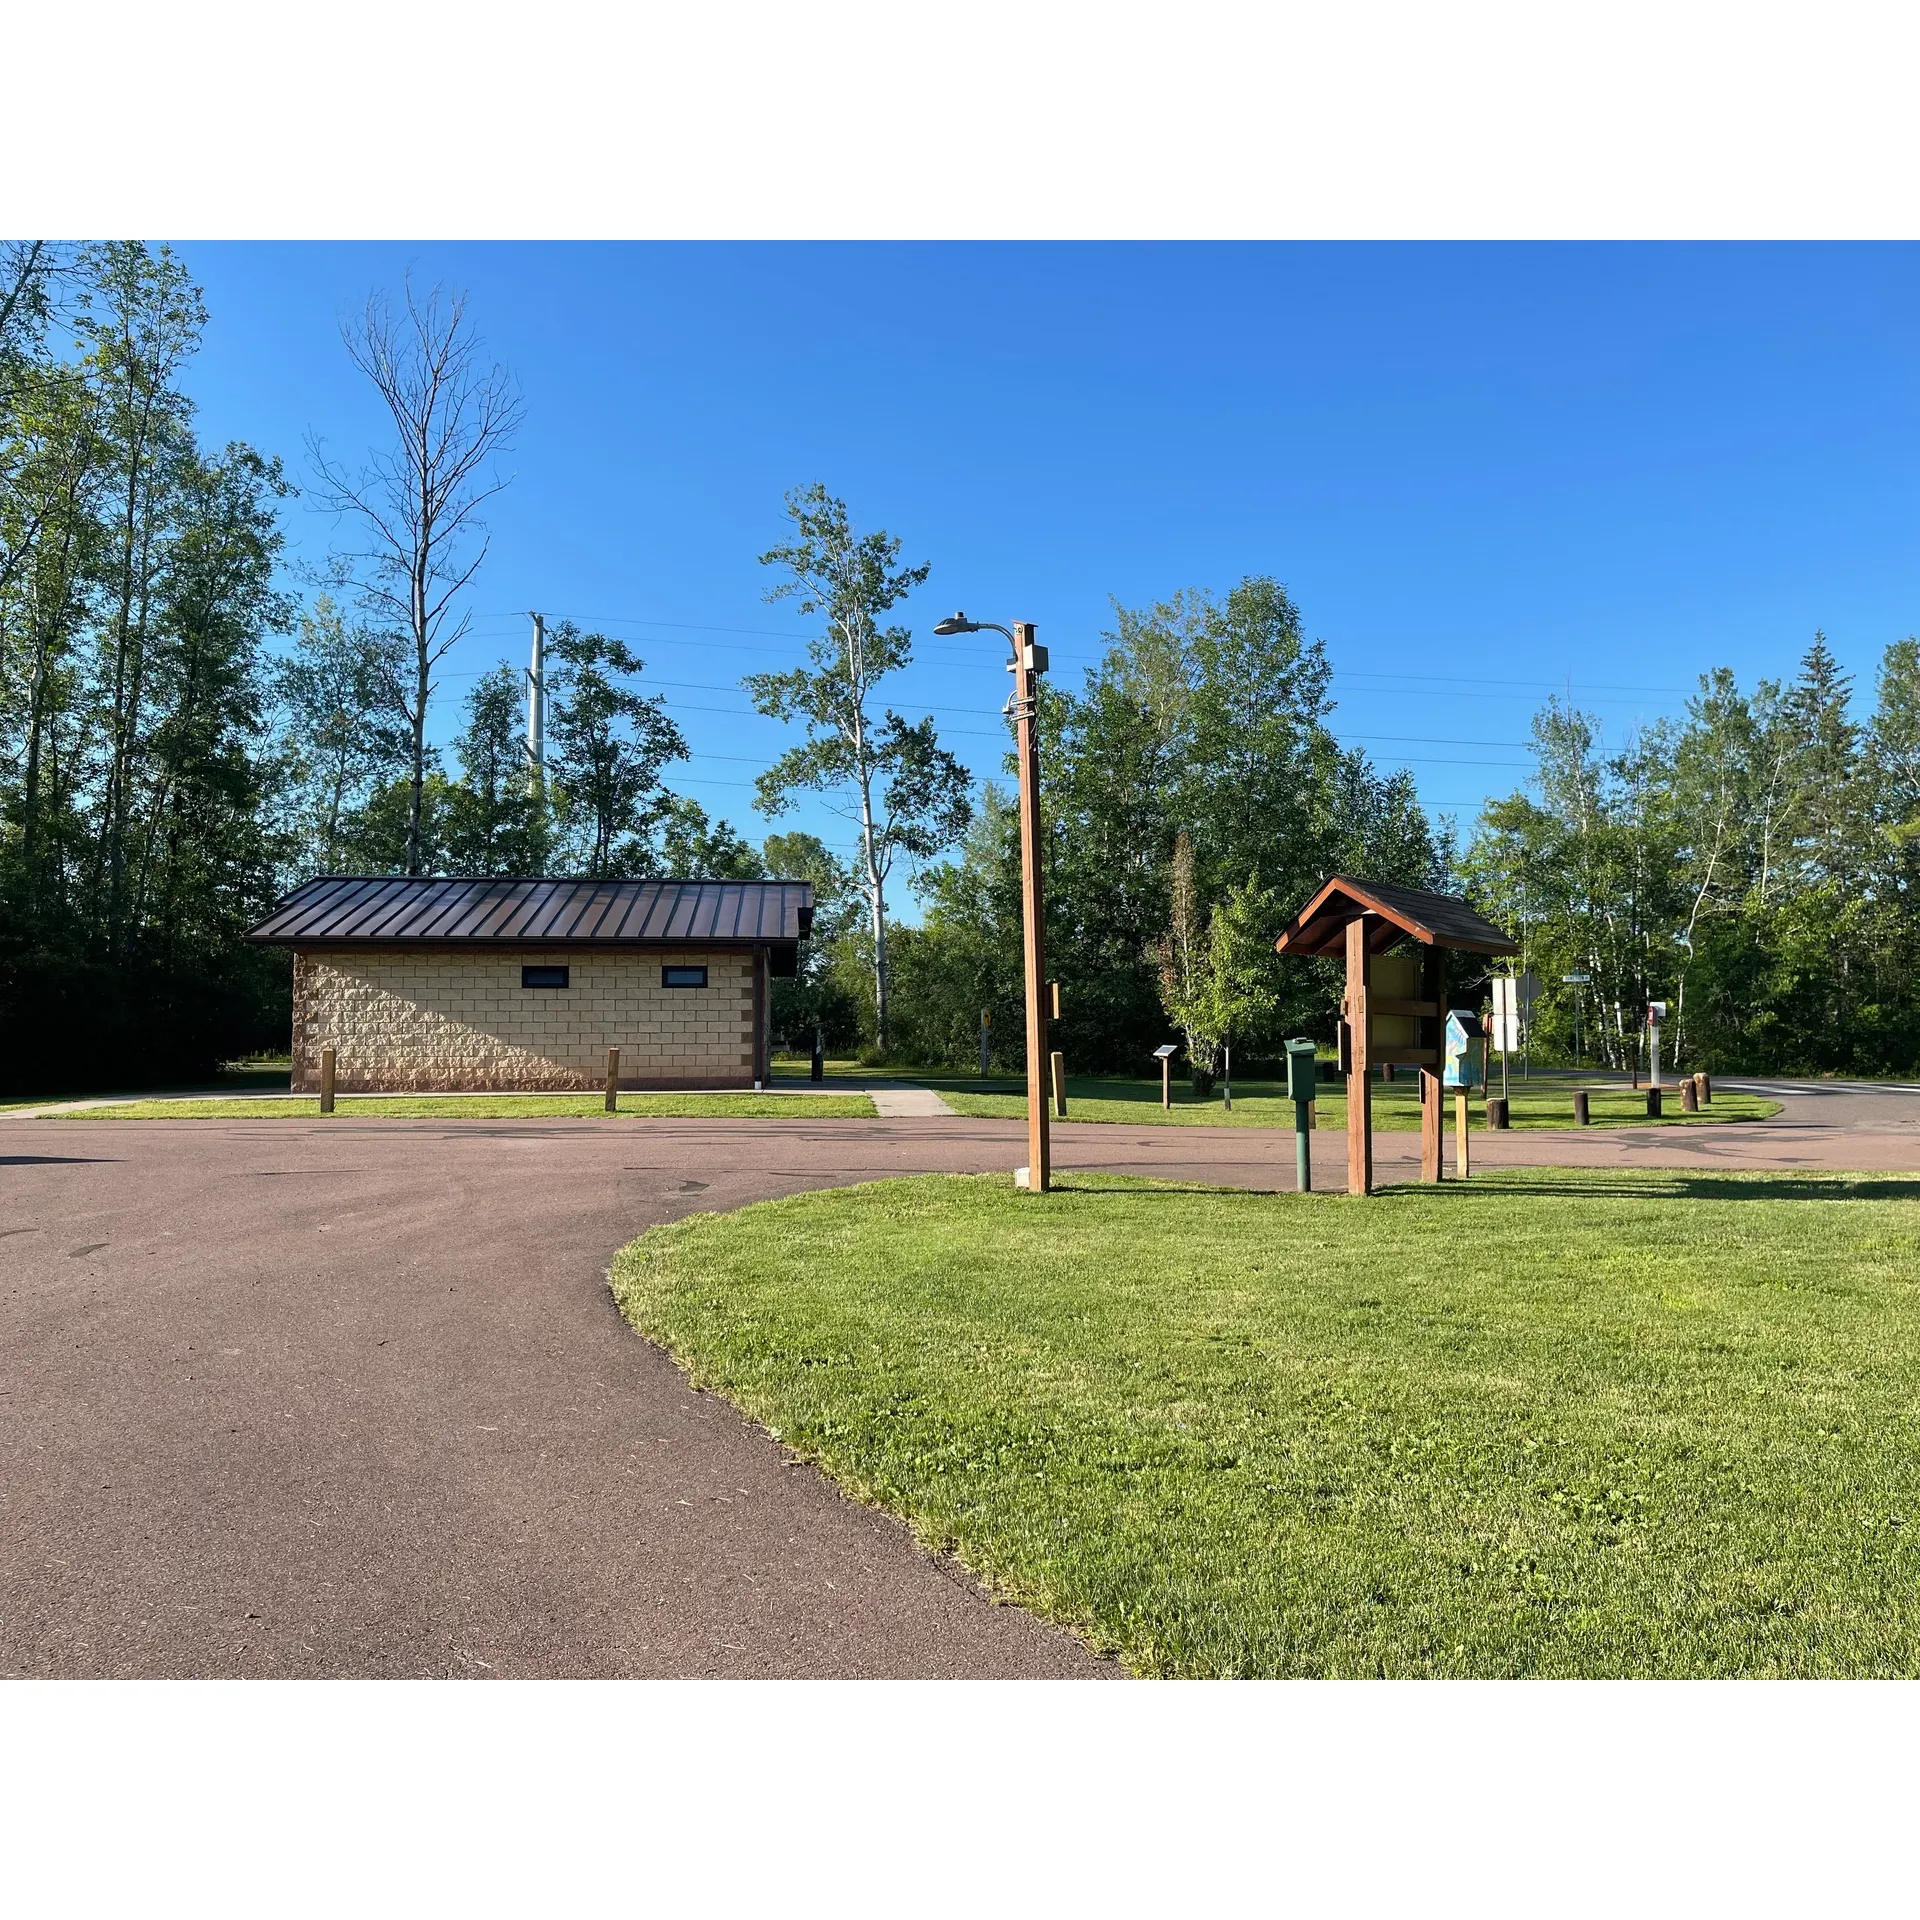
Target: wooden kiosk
[[1395, 1009]]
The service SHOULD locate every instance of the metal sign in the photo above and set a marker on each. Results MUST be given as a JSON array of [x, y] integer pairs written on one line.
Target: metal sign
[[1515, 993], [1576, 979], [1656, 1012]]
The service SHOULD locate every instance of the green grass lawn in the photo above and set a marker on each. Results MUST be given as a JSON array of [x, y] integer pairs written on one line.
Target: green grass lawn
[[1396, 1108], [1543, 1423], [510, 1106]]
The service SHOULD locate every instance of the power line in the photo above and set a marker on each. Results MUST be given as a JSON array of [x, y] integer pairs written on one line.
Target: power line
[[1410, 680]]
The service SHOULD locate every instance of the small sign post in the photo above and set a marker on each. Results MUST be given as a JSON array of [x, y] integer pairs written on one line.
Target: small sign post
[[1506, 1022], [1165, 1056], [1576, 981]]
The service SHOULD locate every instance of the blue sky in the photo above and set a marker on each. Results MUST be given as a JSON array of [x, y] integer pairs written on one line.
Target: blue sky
[[1486, 473]]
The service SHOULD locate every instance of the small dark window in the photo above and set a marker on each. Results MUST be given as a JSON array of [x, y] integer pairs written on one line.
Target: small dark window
[[683, 976], [543, 976]]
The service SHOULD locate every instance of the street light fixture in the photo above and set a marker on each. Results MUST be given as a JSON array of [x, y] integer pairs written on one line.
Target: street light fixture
[[1028, 663]]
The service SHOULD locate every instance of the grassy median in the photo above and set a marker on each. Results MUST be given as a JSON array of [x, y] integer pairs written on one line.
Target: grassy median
[[1541, 1106], [509, 1106], [1544, 1423]]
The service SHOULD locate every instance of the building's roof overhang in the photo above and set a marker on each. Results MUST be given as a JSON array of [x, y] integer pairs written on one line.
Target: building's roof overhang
[[1393, 914], [397, 910]]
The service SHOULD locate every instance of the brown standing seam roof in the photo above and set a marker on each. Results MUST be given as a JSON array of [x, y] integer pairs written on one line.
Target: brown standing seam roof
[[1436, 919], [340, 908]]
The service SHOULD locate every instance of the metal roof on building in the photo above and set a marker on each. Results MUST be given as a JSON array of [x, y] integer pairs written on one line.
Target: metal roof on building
[[1436, 919], [339, 909]]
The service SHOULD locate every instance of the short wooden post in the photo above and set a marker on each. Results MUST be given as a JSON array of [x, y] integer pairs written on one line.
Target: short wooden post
[[1705, 1084], [1461, 1134], [1166, 1082], [1581, 1116], [1059, 1061], [1689, 1095], [326, 1079], [1653, 1103], [1497, 1113], [613, 1079], [817, 1066]]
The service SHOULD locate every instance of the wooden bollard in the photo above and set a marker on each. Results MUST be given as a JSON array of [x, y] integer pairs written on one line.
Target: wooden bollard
[[326, 1079], [1653, 1103], [1059, 1085], [1461, 1134], [1497, 1116], [1689, 1096], [1581, 1116], [1705, 1083], [613, 1079]]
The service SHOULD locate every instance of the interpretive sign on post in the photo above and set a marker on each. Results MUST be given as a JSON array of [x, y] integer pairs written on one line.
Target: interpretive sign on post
[[1165, 1056]]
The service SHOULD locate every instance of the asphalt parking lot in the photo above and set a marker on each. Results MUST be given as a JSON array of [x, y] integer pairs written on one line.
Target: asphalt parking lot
[[310, 1398]]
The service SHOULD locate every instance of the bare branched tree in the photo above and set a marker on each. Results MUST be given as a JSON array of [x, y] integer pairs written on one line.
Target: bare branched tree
[[417, 502]]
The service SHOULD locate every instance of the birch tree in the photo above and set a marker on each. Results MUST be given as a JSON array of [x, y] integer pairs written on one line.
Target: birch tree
[[888, 776]]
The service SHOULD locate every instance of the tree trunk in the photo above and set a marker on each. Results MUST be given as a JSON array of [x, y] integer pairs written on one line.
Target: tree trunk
[[877, 911]]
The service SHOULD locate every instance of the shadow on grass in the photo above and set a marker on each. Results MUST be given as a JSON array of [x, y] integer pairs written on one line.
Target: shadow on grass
[[1672, 1184], [1159, 1190]]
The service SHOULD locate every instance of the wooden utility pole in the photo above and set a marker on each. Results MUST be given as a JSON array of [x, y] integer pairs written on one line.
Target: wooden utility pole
[[1359, 1065], [1433, 1098], [1026, 666], [537, 705]]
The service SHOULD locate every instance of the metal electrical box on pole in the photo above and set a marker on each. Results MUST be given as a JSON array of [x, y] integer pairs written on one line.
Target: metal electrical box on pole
[[1302, 1075]]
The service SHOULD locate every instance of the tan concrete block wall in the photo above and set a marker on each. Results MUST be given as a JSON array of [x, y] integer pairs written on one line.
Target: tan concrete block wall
[[429, 1019]]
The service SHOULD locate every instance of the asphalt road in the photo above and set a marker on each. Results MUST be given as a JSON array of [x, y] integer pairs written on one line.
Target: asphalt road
[[286, 1397], [281, 1398]]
